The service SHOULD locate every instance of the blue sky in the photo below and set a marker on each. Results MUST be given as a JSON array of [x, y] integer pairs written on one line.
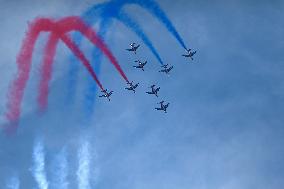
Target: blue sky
[[224, 127]]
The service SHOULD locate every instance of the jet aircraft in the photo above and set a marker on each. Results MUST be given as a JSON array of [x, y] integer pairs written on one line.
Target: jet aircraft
[[106, 94], [133, 48], [140, 65], [154, 90], [163, 106], [189, 54], [166, 69], [131, 86]]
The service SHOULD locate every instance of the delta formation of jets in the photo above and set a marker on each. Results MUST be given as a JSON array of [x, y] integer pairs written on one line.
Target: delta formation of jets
[[154, 90]]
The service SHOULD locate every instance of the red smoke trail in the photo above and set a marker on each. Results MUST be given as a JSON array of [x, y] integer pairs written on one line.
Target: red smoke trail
[[91, 35], [23, 62], [48, 62], [72, 46], [58, 30], [63, 26], [75, 23], [46, 70]]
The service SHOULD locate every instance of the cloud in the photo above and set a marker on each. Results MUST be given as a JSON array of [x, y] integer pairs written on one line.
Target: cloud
[[13, 183], [223, 128]]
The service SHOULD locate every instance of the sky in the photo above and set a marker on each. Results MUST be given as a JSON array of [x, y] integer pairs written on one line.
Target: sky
[[224, 126]]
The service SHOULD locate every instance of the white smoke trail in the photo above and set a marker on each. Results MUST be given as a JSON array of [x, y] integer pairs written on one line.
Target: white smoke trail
[[39, 165], [83, 172], [61, 172], [13, 183]]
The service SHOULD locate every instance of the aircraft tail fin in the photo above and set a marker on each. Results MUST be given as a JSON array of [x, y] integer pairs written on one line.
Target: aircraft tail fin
[[188, 50]]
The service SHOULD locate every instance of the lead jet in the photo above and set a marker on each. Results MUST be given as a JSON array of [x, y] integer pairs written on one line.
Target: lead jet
[[131, 86], [140, 65], [189, 54], [163, 106], [154, 90], [133, 47], [106, 94], [166, 69]]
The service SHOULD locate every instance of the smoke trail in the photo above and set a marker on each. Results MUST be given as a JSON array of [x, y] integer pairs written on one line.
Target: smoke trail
[[130, 23], [106, 12], [19, 84], [24, 58], [48, 61], [83, 172], [72, 46], [156, 11], [84, 29], [113, 9], [61, 173], [88, 33], [39, 165], [46, 70], [13, 183], [90, 99]]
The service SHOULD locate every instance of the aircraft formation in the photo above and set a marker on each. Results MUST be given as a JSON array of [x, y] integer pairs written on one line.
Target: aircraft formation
[[153, 88]]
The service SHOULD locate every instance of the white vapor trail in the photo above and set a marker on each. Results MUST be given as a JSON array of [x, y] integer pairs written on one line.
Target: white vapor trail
[[39, 165], [13, 183], [61, 171], [83, 172]]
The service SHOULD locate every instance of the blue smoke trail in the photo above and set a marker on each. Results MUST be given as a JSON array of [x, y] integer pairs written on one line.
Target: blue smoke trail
[[157, 12], [112, 9], [39, 165], [97, 57], [83, 172], [13, 183], [90, 18], [61, 173], [130, 23], [115, 6]]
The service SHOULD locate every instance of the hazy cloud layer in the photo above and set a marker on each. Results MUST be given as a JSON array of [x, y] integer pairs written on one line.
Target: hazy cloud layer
[[224, 127]]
